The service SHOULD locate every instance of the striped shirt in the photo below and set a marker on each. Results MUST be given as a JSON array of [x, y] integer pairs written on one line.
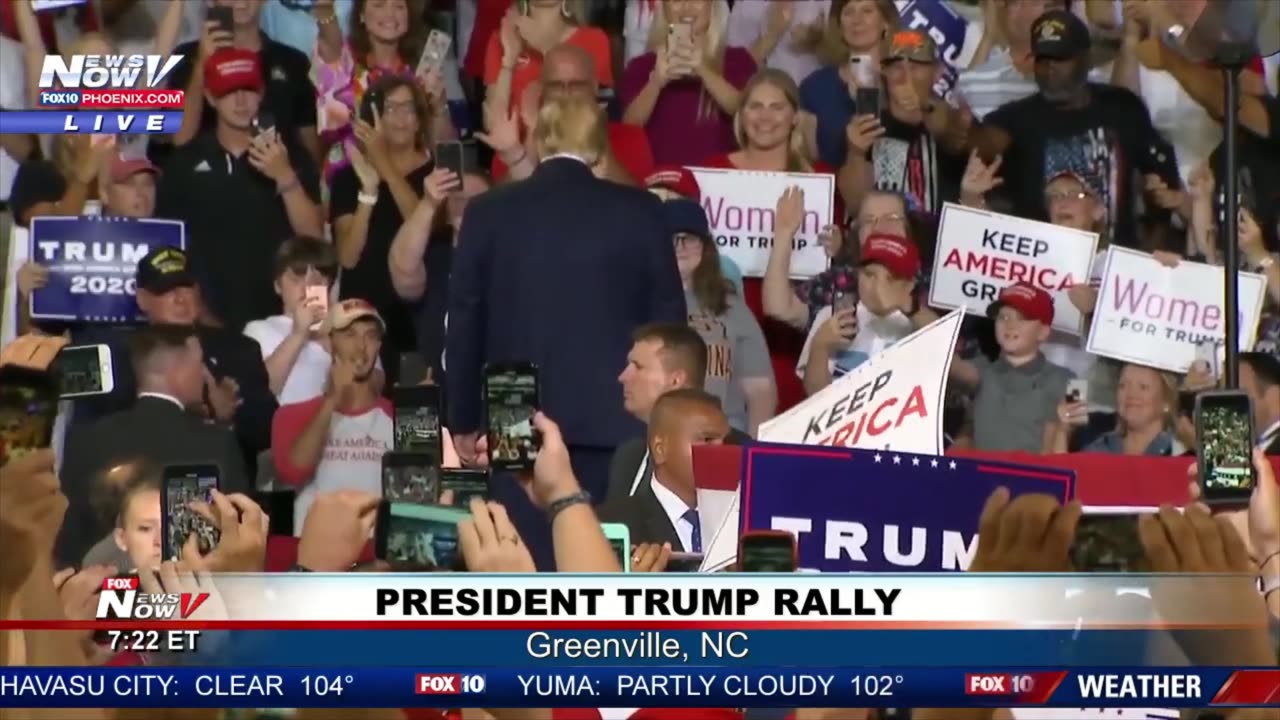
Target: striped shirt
[[993, 83]]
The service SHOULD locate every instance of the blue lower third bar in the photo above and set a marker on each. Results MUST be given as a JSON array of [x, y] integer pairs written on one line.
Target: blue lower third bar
[[782, 687], [104, 122]]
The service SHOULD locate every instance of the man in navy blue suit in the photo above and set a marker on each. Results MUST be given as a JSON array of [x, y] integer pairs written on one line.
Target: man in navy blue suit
[[558, 270]]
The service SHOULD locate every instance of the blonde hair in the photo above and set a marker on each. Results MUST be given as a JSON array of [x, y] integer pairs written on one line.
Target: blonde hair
[[572, 125], [798, 159], [1168, 394], [827, 41], [717, 26]]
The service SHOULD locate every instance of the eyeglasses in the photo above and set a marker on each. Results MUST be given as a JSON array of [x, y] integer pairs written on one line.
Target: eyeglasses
[[685, 240], [878, 220], [405, 108], [1052, 196]]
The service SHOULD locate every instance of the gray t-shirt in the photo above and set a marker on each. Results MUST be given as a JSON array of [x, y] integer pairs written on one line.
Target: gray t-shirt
[[735, 352], [1013, 404]]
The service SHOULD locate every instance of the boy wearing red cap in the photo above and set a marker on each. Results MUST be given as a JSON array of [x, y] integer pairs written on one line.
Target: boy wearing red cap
[[1017, 395], [862, 321]]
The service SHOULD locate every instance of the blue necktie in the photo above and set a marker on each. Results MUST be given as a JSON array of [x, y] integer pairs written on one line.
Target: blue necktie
[[691, 517]]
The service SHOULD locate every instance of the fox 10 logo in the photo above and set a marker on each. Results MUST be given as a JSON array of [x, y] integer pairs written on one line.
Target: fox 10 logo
[[100, 82], [120, 600]]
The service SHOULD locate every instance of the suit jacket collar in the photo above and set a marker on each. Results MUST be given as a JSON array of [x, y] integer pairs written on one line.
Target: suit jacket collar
[[650, 513], [560, 169], [159, 402]]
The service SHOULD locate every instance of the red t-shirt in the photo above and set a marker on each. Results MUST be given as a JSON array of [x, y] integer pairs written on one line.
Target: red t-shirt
[[529, 64], [784, 341], [489, 15], [629, 144]]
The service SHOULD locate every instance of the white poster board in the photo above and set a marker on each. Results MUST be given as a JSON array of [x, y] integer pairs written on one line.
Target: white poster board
[[1155, 315], [892, 401], [741, 204], [979, 253]]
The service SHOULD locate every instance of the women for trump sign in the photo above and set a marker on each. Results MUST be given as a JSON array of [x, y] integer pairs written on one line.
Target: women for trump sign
[[741, 205], [980, 253], [1155, 315]]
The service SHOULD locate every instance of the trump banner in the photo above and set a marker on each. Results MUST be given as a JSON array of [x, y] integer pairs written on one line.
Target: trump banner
[[740, 207], [1155, 315], [892, 401], [91, 263], [980, 253], [880, 510], [948, 30]]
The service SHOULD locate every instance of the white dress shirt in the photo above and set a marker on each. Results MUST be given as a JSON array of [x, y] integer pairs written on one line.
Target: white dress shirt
[[675, 509]]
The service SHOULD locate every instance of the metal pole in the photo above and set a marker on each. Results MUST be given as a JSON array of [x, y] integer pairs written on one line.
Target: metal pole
[[1229, 228]]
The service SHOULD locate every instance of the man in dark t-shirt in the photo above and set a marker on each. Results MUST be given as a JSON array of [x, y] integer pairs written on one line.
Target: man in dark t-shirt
[[1072, 125]]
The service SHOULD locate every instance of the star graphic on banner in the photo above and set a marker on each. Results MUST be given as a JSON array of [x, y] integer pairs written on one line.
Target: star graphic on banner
[[915, 462], [897, 460], [953, 464], [933, 463], [877, 457]]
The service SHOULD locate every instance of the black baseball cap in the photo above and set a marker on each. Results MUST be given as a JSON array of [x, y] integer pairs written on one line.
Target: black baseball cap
[[164, 269], [1060, 35]]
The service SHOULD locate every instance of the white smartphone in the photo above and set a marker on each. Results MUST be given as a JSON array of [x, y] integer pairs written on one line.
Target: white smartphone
[[85, 370], [619, 537], [1078, 390], [1207, 354], [863, 69], [434, 52]]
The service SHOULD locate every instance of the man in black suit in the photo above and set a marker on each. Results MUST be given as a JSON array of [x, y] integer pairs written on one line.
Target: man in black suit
[[664, 510], [663, 357], [237, 390], [157, 430], [558, 270], [1260, 380]]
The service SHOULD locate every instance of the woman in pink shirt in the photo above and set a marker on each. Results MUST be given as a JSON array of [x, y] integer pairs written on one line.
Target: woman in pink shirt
[[685, 90]]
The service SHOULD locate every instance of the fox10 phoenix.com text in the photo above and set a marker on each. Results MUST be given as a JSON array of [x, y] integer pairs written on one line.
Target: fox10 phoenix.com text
[[102, 95], [636, 641]]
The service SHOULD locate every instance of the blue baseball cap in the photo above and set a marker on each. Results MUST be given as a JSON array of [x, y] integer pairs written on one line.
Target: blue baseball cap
[[683, 215]]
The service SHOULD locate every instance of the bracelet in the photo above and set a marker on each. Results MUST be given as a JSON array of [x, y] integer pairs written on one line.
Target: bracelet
[[366, 199], [582, 497]]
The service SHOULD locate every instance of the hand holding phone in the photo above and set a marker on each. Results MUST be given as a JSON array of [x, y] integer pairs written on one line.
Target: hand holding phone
[[512, 398], [619, 537], [449, 156], [768, 551], [1224, 456], [181, 485], [1108, 541], [1077, 391], [417, 411], [85, 370], [28, 409], [434, 53], [223, 17]]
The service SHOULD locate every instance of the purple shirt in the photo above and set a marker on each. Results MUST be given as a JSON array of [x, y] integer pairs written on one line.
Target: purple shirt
[[678, 134]]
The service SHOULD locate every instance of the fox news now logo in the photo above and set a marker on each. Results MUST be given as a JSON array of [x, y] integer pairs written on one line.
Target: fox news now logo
[[120, 600], [106, 82]]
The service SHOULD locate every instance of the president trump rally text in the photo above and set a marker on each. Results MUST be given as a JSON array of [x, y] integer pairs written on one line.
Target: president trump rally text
[[636, 602]]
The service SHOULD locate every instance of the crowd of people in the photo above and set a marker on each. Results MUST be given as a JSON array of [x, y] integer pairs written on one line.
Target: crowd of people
[[324, 169]]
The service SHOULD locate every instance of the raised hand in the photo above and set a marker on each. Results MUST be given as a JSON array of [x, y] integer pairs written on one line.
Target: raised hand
[[1032, 533], [502, 129], [789, 213], [981, 178], [490, 542], [862, 132], [242, 546], [440, 184]]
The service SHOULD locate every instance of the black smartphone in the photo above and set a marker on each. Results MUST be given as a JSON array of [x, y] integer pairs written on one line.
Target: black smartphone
[[767, 551], [1224, 430], [417, 419], [466, 483], [684, 562], [867, 101], [425, 534], [183, 484], [512, 396], [223, 16], [1162, 162], [413, 369], [370, 104], [410, 477], [1108, 542], [450, 155], [264, 122], [28, 408], [278, 505]]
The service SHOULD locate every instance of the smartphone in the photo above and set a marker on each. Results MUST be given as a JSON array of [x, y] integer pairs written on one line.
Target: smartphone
[[410, 477], [1077, 391], [679, 34], [841, 300], [370, 105], [768, 551], [264, 122], [424, 534], [318, 295], [619, 537], [449, 155], [417, 419], [684, 562], [1107, 541], [434, 53], [413, 369], [1224, 429], [1207, 353], [278, 505], [223, 16], [28, 408], [512, 396], [84, 370], [867, 101], [181, 485], [466, 483], [863, 70], [1162, 162]]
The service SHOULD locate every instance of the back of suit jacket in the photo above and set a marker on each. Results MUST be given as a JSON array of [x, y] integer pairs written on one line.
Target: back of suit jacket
[[154, 432], [559, 270]]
